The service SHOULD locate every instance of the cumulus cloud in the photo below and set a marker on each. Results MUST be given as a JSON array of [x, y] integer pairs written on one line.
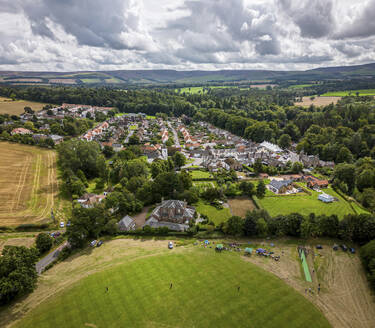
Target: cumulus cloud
[[185, 34]]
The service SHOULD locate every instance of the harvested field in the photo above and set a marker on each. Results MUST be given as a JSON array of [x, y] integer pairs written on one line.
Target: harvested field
[[62, 81], [239, 206], [17, 241], [345, 297], [318, 101], [28, 184], [7, 106]]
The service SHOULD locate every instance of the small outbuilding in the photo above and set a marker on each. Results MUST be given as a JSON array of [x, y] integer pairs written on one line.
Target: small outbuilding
[[127, 223], [326, 198]]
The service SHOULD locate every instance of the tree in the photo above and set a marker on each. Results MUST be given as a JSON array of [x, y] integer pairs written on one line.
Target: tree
[[261, 189], [344, 155], [108, 151], [17, 272], [258, 166], [28, 110], [262, 227], [250, 223], [285, 141], [179, 159], [297, 167], [247, 188], [134, 140], [43, 242], [367, 254], [234, 226]]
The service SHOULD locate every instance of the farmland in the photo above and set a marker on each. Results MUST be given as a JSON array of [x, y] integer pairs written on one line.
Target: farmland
[[318, 101], [305, 204], [8, 106], [204, 293], [27, 195], [367, 92], [240, 205]]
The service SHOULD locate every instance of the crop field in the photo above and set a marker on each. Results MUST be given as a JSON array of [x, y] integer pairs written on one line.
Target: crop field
[[28, 184], [305, 204], [300, 86], [215, 215], [204, 293], [366, 92], [317, 101], [194, 90], [8, 106]]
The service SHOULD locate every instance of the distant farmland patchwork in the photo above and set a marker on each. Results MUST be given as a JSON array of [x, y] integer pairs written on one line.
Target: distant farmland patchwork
[[367, 92], [28, 184]]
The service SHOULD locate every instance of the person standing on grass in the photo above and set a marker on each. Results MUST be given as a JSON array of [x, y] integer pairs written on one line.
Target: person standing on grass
[[238, 288], [170, 287], [106, 289]]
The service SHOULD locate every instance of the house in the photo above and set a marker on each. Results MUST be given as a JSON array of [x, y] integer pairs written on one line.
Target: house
[[280, 186], [315, 183], [270, 147], [56, 139], [90, 200], [326, 198], [127, 223], [20, 131], [174, 214], [234, 164]]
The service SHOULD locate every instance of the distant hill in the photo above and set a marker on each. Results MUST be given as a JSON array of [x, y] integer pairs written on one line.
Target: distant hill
[[153, 77]]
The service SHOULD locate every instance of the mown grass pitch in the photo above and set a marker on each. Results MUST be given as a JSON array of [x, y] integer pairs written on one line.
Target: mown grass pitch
[[204, 293]]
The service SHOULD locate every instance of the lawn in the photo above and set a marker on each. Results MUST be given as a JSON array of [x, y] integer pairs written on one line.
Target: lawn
[[8, 106], [198, 174], [215, 215], [305, 204], [204, 294], [28, 184], [366, 92]]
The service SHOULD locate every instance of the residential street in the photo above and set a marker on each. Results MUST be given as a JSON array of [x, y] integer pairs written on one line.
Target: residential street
[[129, 135], [49, 258], [175, 136]]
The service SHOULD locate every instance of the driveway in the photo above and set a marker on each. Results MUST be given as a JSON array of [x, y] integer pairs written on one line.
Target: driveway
[[49, 258]]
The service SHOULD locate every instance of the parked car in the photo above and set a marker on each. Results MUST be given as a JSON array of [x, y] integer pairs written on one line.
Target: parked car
[[335, 247], [344, 247], [100, 243], [352, 250], [68, 224], [170, 245], [93, 243], [62, 224], [319, 247]]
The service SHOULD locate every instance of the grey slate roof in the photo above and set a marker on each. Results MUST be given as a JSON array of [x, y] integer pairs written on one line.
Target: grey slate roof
[[125, 222], [277, 184]]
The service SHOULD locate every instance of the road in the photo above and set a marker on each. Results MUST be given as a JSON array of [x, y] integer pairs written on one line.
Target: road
[[48, 259], [175, 136], [129, 135]]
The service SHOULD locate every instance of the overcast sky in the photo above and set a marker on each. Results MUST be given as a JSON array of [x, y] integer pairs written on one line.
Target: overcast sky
[[66, 35]]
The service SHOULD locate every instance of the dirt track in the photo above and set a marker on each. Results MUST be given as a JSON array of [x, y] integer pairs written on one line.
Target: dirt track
[[345, 297]]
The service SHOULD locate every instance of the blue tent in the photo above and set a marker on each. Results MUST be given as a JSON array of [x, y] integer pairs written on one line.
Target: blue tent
[[206, 242], [260, 250]]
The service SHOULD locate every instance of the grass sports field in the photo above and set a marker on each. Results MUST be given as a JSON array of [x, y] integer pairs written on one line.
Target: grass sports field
[[366, 92], [28, 184], [7, 106], [305, 204], [204, 293]]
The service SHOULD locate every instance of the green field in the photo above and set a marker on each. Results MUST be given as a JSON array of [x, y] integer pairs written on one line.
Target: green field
[[305, 204], [215, 215], [113, 80], [204, 294], [195, 90], [133, 127], [93, 80], [198, 174], [300, 86], [368, 92]]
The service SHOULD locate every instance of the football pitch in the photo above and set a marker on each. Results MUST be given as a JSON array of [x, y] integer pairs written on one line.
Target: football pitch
[[191, 288]]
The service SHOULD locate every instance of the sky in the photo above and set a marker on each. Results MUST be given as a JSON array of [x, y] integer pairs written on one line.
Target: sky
[[71, 35]]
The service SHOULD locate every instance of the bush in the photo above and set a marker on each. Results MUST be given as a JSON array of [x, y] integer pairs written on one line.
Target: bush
[[367, 254]]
